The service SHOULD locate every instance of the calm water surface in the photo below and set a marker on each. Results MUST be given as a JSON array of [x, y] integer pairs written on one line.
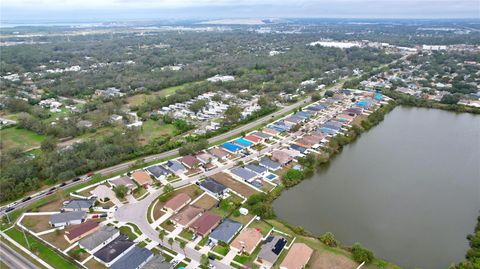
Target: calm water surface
[[409, 189]]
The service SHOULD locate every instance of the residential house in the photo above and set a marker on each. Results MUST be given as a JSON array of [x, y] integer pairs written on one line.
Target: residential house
[[67, 218], [270, 131], [142, 178], [125, 181], [190, 161], [186, 216], [214, 187], [99, 239], [177, 202], [282, 157], [176, 167], [114, 250], [246, 241], [232, 148], [133, 259], [219, 153], [297, 257], [80, 231], [102, 193], [226, 231], [205, 224], [260, 170], [157, 262], [244, 174], [254, 139], [268, 163], [78, 205], [271, 249], [261, 135], [158, 171], [205, 157]]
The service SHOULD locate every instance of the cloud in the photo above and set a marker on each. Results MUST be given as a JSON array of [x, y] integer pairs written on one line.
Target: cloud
[[242, 8]]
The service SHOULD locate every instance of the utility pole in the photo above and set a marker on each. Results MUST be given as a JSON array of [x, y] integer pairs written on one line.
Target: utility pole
[[26, 239]]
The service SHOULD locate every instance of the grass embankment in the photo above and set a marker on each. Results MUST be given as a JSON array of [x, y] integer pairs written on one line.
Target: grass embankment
[[47, 254]]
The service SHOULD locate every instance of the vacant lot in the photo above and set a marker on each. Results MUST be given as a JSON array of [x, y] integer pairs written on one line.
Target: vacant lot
[[154, 129], [233, 184], [329, 260], [56, 238], [206, 202], [52, 206], [93, 264], [20, 138], [37, 223], [139, 99]]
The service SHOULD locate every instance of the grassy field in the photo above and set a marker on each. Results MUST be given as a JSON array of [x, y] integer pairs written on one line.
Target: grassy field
[[138, 99], [153, 129], [45, 253], [19, 138]]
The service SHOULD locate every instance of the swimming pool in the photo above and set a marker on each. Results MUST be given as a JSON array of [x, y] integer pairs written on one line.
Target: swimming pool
[[271, 177]]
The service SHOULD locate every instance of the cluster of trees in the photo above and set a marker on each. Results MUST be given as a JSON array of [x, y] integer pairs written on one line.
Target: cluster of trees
[[472, 258], [193, 147]]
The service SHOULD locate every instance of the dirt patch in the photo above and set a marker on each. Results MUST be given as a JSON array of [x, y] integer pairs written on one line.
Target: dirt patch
[[93, 264], [233, 184], [57, 239], [37, 223], [78, 254], [329, 260], [157, 212], [206, 202]]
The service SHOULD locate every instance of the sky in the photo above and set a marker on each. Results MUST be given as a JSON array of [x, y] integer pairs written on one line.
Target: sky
[[103, 10]]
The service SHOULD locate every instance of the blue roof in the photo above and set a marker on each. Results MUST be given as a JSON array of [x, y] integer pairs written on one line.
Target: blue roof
[[226, 230], [303, 114], [133, 259], [378, 96], [328, 131], [231, 147], [243, 142], [277, 128]]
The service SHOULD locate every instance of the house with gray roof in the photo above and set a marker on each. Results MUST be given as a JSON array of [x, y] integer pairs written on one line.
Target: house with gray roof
[[114, 250], [125, 181], [261, 135], [157, 262], [268, 163], [226, 231], [271, 249], [244, 174], [99, 239], [79, 205], [257, 169], [133, 259], [213, 187], [176, 167], [158, 171], [67, 218]]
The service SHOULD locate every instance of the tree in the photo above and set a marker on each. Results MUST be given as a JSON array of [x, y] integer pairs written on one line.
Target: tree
[[292, 177], [329, 93], [232, 115], [197, 105], [161, 235], [183, 244], [450, 99], [170, 241], [121, 191], [49, 144], [204, 261], [328, 239], [168, 188], [361, 254], [316, 96]]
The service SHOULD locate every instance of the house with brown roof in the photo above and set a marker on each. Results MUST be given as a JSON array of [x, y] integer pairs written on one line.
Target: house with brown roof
[[79, 231], [219, 153], [254, 139], [246, 241], [281, 156], [270, 131], [186, 216], [297, 257], [190, 161], [205, 224], [142, 178], [177, 202]]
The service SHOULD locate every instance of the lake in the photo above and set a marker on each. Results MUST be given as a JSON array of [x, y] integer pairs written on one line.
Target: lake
[[408, 189]]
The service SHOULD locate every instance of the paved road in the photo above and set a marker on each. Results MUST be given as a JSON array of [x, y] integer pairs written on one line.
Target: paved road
[[14, 260]]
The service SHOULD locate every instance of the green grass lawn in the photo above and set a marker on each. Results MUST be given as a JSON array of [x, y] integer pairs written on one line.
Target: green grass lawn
[[42, 251], [139, 99], [153, 129], [221, 250], [187, 234], [125, 230], [20, 138], [262, 225]]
